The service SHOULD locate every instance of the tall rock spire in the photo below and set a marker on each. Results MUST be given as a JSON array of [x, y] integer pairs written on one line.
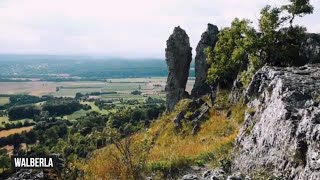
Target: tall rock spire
[[178, 58], [208, 39]]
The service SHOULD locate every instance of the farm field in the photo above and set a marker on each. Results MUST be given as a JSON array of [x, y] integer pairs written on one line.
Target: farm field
[[5, 133], [149, 86], [39, 88], [82, 112], [76, 114], [120, 95], [5, 120], [4, 100]]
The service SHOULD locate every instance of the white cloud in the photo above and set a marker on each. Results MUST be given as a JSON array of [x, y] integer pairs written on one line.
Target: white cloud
[[121, 28]]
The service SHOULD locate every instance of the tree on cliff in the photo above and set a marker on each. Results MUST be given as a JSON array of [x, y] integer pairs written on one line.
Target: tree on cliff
[[298, 8], [273, 43], [230, 51]]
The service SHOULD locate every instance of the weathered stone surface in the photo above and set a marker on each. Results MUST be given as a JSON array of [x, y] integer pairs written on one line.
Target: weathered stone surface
[[238, 176], [178, 58], [27, 174], [281, 132], [216, 174], [237, 91], [190, 177], [208, 39], [311, 46]]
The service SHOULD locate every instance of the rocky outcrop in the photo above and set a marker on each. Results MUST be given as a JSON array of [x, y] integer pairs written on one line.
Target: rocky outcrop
[[310, 54], [178, 58], [208, 39], [35, 174], [237, 91], [281, 133], [27, 174], [200, 112]]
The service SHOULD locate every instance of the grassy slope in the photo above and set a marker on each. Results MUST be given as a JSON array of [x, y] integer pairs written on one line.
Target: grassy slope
[[173, 150]]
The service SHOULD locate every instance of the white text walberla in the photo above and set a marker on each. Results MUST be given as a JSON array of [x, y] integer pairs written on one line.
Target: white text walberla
[[33, 162]]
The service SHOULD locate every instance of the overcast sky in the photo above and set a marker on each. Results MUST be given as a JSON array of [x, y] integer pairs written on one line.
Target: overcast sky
[[126, 28]]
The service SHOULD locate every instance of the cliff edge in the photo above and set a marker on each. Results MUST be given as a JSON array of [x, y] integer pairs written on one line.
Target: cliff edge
[[281, 131]]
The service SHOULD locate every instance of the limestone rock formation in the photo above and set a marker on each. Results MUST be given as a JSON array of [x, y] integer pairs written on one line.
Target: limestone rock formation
[[281, 132], [218, 174], [27, 174], [190, 177], [310, 55], [208, 39], [178, 58]]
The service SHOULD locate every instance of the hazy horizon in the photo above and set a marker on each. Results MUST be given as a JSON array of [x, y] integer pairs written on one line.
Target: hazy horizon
[[78, 56], [48, 67]]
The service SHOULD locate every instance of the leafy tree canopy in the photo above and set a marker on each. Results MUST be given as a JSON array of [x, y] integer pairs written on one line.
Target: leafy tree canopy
[[242, 50]]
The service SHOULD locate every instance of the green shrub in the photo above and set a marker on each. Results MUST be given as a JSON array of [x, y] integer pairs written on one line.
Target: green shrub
[[251, 111], [206, 157], [222, 99]]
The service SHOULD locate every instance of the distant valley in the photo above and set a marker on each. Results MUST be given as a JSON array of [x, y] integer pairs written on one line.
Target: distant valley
[[15, 68]]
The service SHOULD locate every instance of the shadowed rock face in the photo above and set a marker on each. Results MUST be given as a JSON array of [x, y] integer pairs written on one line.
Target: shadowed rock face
[[208, 39], [178, 58], [281, 132], [311, 46]]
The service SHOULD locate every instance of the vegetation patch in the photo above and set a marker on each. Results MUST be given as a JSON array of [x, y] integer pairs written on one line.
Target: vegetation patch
[[238, 112], [251, 111], [23, 111], [266, 174], [170, 151], [242, 49], [222, 99], [59, 107]]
